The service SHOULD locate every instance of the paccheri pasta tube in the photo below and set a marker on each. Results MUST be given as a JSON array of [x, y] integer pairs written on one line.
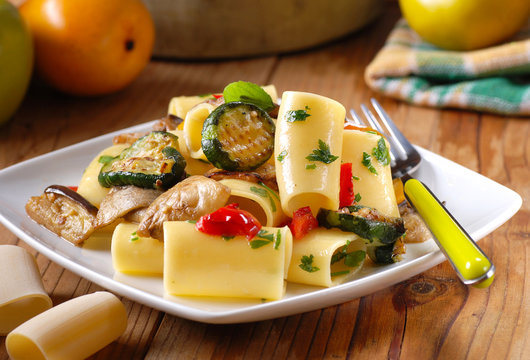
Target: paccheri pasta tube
[[181, 105], [193, 129], [133, 254], [326, 257], [89, 186], [193, 166], [258, 199], [22, 293], [198, 264], [72, 330], [373, 177], [307, 149]]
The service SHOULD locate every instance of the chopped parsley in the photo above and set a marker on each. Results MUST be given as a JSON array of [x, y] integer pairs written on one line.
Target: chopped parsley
[[278, 240], [340, 254], [355, 177], [270, 190], [357, 197], [227, 238], [297, 115], [134, 237], [191, 221], [351, 259], [310, 166], [256, 190], [265, 194], [103, 159], [354, 258], [367, 161], [262, 238], [307, 264], [322, 154], [281, 155], [381, 152]]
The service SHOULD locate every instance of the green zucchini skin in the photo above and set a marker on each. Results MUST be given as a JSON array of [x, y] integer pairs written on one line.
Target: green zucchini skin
[[238, 136], [381, 254], [376, 230], [152, 161]]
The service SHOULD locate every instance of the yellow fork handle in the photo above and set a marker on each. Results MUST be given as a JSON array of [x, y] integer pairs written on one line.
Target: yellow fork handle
[[471, 264]]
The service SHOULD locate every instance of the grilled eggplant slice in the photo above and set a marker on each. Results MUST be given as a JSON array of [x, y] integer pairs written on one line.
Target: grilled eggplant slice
[[152, 161], [64, 212], [238, 136]]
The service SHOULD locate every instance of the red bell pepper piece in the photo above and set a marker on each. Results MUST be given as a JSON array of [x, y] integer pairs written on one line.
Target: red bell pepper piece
[[346, 195], [229, 221], [303, 221]]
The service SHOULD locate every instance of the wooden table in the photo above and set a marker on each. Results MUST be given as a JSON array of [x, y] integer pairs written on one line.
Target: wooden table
[[429, 316]]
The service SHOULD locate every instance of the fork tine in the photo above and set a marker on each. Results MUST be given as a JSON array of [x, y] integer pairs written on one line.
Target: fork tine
[[401, 144], [357, 120], [371, 119]]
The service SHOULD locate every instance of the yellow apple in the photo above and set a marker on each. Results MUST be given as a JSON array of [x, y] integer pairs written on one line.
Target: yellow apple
[[465, 24], [16, 60]]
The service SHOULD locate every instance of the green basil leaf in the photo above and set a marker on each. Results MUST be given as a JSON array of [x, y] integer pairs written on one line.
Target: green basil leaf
[[249, 93]]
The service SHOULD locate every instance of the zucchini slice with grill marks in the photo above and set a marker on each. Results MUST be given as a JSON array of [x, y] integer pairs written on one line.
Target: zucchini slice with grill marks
[[375, 228], [152, 161], [238, 136]]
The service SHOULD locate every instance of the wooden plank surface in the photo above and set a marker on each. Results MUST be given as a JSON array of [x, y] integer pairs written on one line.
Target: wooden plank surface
[[429, 316]]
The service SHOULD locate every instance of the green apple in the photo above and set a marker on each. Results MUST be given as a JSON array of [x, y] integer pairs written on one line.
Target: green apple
[[16, 59]]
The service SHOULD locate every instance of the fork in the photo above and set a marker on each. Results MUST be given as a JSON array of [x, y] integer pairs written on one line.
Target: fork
[[471, 264]]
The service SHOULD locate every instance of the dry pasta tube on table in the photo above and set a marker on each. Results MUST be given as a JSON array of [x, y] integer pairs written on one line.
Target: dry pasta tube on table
[[321, 257], [136, 255], [89, 186], [198, 264], [259, 200], [193, 124], [72, 330], [22, 293], [375, 188], [301, 181]]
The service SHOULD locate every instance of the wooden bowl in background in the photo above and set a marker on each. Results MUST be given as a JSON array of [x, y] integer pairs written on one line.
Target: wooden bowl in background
[[201, 29]]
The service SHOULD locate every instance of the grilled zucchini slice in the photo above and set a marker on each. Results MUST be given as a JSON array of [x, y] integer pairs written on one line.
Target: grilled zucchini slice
[[238, 136], [152, 161], [380, 233], [375, 228]]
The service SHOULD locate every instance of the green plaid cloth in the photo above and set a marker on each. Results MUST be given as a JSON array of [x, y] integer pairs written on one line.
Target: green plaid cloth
[[495, 79]]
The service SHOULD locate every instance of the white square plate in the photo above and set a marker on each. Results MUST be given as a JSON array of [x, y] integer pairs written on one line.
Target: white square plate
[[466, 194]]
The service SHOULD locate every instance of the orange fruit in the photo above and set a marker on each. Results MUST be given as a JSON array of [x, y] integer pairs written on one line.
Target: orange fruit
[[90, 47]]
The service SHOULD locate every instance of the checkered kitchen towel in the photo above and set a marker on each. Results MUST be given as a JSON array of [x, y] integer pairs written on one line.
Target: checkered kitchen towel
[[494, 79]]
